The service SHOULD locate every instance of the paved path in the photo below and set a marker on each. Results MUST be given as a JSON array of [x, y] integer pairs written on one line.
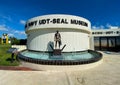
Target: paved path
[[17, 68], [108, 73]]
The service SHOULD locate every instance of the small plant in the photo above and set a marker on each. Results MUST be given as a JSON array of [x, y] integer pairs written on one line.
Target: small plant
[[5, 58]]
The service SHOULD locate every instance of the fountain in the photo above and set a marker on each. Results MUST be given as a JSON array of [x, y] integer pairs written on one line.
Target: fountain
[[74, 52]]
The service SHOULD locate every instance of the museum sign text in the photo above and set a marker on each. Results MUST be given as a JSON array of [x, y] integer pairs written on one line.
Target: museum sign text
[[56, 21]]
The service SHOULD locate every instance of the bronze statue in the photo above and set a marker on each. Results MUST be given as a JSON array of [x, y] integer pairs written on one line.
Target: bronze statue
[[57, 39]]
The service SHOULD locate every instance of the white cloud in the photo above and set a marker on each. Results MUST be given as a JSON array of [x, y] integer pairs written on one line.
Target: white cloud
[[106, 26], [3, 28], [6, 17], [10, 34], [19, 32], [94, 27], [110, 26], [98, 27], [22, 22], [16, 31], [22, 32], [102, 27]]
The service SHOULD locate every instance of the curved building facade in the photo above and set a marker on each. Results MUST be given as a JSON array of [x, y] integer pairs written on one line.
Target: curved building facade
[[75, 32]]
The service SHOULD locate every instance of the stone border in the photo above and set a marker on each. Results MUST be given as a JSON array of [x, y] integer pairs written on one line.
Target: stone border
[[60, 68], [98, 56], [60, 65]]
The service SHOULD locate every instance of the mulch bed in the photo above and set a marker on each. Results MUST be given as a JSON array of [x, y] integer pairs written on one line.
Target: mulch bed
[[16, 68]]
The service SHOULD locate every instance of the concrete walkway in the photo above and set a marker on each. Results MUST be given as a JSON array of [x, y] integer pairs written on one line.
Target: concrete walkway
[[108, 73]]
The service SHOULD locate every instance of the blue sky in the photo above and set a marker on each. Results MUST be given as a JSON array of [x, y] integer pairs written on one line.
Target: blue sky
[[14, 13]]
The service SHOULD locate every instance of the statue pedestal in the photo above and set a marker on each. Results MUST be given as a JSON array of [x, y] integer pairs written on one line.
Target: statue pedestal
[[57, 52]]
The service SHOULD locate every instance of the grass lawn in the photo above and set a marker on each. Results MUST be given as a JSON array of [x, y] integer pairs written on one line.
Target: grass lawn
[[5, 58]]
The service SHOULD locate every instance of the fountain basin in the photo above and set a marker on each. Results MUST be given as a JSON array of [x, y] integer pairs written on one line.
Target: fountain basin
[[73, 58]]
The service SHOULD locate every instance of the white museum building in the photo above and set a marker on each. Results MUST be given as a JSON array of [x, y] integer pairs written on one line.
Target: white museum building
[[107, 39], [75, 32]]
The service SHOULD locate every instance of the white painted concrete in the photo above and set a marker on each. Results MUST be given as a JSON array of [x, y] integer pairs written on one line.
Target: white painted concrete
[[54, 17], [60, 68], [75, 40], [19, 47], [106, 32], [75, 36]]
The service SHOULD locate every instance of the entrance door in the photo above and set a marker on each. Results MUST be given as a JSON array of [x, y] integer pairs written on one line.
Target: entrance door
[[103, 43], [108, 43], [112, 44]]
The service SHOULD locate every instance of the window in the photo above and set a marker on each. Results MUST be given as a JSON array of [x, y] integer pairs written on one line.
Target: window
[[92, 32], [117, 32]]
